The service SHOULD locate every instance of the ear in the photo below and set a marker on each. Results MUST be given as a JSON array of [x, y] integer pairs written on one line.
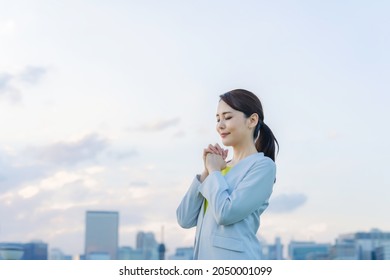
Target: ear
[[253, 120]]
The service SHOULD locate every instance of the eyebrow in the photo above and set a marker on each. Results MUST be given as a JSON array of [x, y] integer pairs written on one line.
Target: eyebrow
[[224, 113]]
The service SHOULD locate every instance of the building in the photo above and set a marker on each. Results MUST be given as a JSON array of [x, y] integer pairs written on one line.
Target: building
[[35, 250], [343, 251], [184, 253], [11, 251], [383, 252], [366, 243], [272, 251], [147, 243], [128, 253], [101, 235], [308, 250], [161, 247], [57, 254], [161, 251], [99, 256]]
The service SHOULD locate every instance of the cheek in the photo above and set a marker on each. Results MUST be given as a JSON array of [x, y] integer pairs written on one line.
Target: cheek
[[230, 125]]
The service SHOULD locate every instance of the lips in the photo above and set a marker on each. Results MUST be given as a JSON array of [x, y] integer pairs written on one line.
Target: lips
[[223, 135]]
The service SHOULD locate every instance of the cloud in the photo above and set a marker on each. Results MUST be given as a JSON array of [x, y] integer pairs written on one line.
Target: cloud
[[5, 80], [53, 207], [12, 84], [286, 202], [34, 163], [13, 174], [32, 74], [159, 125], [122, 155], [139, 184], [71, 153], [7, 89]]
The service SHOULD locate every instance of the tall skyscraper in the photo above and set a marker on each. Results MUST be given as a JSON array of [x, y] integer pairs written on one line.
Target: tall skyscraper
[[101, 235]]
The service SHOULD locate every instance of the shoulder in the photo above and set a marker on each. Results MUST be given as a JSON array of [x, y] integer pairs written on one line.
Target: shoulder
[[263, 164], [255, 163], [260, 159]]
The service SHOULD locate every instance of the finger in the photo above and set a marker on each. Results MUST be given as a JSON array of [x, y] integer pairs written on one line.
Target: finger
[[205, 152], [208, 151], [213, 149], [223, 153], [226, 153], [220, 150]]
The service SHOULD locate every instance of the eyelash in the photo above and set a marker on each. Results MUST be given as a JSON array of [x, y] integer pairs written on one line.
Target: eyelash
[[227, 118]]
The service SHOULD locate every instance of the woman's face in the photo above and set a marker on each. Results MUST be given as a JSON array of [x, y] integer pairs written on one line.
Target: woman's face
[[233, 126]]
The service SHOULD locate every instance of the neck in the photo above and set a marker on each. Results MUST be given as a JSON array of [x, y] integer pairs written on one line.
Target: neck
[[240, 153]]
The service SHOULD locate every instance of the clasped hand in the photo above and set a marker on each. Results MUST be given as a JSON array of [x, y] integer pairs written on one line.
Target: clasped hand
[[214, 158]]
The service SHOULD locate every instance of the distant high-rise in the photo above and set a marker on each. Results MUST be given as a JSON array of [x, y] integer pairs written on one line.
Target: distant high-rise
[[383, 252], [101, 235], [272, 251], [128, 253], [308, 250], [183, 253], [147, 243], [161, 247], [35, 250], [366, 245], [57, 254]]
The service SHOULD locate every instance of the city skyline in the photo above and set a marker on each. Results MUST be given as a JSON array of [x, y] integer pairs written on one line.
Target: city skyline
[[108, 106], [371, 245]]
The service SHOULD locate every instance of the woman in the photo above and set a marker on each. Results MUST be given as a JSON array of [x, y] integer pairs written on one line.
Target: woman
[[225, 201]]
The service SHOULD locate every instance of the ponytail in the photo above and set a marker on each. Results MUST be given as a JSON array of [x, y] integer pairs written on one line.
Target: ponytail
[[265, 141]]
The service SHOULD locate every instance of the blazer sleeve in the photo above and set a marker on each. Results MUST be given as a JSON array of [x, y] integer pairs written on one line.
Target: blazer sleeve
[[189, 207], [250, 194]]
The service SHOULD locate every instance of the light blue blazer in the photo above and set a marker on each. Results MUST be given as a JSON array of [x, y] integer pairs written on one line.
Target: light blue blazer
[[227, 230]]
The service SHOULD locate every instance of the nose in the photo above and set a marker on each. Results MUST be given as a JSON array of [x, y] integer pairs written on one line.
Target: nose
[[221, 124]]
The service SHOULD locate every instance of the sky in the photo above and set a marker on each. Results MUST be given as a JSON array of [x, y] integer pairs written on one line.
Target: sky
[[107, 105]]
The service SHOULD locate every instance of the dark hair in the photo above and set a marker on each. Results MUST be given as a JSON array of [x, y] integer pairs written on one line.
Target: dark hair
[[248, 103]]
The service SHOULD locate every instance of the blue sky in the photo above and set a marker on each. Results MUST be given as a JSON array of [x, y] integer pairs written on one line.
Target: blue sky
[[107, 105]]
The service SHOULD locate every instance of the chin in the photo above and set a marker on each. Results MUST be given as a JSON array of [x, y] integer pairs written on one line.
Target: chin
[[226, 143]]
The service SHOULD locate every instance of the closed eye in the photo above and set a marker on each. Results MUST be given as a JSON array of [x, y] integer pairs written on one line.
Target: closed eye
[[226, 118]]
